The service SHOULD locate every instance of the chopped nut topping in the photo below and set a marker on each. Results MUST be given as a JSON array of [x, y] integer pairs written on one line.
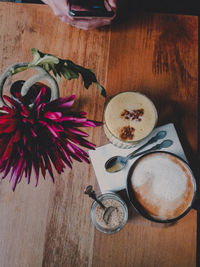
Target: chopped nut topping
[[127, 133], [135, 114]]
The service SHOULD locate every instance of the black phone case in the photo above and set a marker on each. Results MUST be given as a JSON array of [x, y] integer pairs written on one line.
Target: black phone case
[[91, 8]]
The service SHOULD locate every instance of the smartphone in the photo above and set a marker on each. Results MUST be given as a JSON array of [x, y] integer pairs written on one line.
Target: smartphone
[[90, 8]]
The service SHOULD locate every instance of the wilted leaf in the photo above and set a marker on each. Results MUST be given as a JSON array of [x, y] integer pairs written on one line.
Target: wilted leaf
[[68, 73], [67, 68], [102, 89]]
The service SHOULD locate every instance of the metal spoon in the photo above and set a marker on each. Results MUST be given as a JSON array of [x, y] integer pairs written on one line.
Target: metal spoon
[[107, 210], [117, 163], [111, 164]]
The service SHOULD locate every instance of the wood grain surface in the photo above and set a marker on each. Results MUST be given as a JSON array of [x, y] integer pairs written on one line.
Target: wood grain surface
[[156, 54]]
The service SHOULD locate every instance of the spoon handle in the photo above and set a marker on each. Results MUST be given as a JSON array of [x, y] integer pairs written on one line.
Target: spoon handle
[[91, 193], [156, 147], [151, 141]]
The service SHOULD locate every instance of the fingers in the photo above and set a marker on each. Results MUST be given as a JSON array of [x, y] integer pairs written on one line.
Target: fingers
[[85, 24], [46, 1], [113, 3], [61, 9]]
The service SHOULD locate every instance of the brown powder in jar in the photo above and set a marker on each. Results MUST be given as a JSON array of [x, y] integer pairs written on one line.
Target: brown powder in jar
[[115, 218]]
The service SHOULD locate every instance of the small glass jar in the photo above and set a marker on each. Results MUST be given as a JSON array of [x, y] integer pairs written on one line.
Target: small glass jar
[[128, 118], [117, 218]]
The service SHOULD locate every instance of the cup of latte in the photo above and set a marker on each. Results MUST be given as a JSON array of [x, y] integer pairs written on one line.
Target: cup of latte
[[128, 118], [161, 187]]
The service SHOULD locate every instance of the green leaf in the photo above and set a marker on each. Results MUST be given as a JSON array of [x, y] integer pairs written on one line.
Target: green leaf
[[46, 67], [40, 59], [58, 77], [47, 59], [68, 73], [53, 68], [36, 55], [67, 68], [102, 89], [87, 75]]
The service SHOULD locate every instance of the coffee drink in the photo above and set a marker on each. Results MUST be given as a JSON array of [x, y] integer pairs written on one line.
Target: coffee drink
[[128, 118], [163, 184]]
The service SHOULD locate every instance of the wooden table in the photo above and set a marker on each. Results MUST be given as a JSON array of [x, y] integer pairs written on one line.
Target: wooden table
[[156, 54]]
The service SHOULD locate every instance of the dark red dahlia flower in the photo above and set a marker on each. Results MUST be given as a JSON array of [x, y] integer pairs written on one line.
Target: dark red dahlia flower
[[33, 137]]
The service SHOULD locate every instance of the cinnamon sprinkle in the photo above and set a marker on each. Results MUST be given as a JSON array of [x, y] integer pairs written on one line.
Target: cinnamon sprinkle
[[127, 133], [135, 114]]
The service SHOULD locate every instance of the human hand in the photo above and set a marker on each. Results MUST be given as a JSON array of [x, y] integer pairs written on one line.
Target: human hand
[[61, 9]]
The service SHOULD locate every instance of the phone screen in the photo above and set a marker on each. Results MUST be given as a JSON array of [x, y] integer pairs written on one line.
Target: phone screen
[[90, 8]]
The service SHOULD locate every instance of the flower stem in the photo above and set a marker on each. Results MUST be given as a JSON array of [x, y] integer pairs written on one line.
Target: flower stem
[[15, 71]]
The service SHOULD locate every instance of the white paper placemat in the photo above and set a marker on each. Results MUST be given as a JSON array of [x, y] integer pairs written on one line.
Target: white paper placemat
[[117, 181]]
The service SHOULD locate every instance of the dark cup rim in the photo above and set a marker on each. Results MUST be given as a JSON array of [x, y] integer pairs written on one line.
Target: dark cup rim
[[138, 207]]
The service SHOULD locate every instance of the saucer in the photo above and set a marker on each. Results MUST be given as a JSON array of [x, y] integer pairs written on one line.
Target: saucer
[[117, 181]]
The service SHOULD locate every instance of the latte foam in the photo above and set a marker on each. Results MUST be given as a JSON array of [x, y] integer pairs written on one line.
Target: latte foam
[[163, 185], [130, 116]]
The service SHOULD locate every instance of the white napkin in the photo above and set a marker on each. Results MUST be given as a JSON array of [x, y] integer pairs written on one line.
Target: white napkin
[[117, 181]]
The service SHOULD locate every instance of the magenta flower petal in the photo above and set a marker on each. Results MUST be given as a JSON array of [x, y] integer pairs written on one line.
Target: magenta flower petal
[[8, 150], [17, 136], [42, 166], [52, 130], [78, 132], [66, 158], [89, 124], [61, 102], [8, 110], [41, 135], [53, 115], [80, 150], [71, 149], [11, 101], [73, 119], [48, 166]]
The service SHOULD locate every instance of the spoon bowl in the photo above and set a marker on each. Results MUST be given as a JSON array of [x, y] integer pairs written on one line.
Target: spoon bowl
[[107, 210], [117, 163]]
